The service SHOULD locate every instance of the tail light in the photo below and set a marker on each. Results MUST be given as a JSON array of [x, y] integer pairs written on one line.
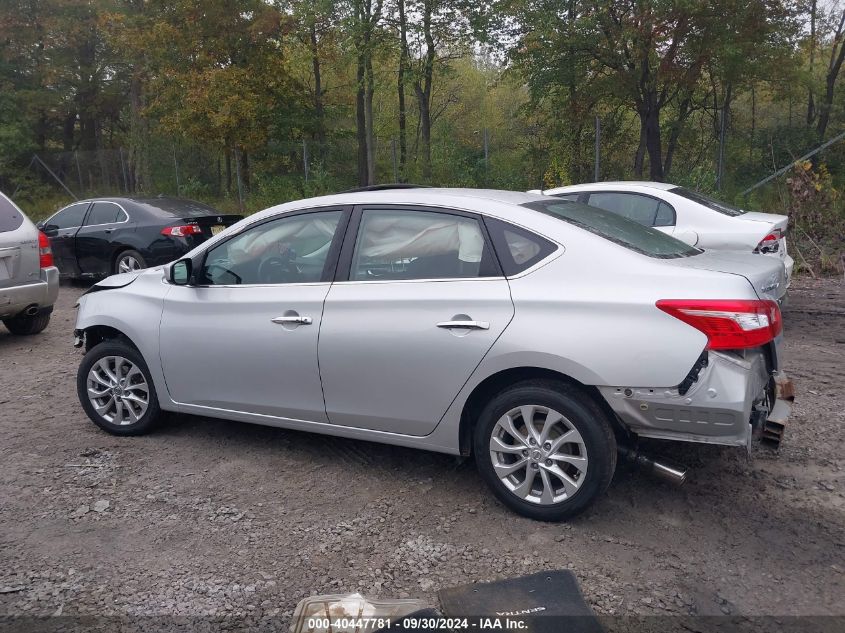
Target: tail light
[[728, 324], [770, 243], [183, 230], [45, 253]]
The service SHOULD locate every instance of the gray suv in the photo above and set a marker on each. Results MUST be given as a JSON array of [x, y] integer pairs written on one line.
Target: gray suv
[[29, 282]]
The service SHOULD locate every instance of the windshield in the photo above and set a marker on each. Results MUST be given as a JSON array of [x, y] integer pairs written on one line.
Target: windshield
[[722, 207], [613, 227]]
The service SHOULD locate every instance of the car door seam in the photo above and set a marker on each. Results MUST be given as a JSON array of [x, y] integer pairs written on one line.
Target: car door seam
[[481, 360], [167, 292], [319, 332]]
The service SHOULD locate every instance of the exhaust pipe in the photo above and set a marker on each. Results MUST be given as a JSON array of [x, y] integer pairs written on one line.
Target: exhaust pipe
[[31, 310], [667, 471]]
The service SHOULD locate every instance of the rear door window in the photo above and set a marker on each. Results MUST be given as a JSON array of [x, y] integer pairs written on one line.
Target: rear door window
[[10, 217], [105, 213], [639, 208], [404, 244]]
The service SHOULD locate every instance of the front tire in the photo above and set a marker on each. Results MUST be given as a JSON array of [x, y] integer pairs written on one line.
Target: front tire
[[545, 448], [116, 390], [24, 325]]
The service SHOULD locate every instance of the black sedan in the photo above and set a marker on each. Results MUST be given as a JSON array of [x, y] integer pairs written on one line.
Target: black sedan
[[104, 236]]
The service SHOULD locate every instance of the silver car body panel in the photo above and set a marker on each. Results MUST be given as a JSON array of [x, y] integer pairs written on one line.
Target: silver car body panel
[[387, 372], [766, 274], [23, 283], [368, 324], [270, 369]]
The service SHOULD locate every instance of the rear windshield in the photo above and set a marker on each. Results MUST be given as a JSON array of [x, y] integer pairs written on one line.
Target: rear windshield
[[707, 201], [10, 217], [613, 227], [176, 208]]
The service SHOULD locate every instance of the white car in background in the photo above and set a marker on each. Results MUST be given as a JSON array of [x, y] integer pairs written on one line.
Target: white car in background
[[687, 215]]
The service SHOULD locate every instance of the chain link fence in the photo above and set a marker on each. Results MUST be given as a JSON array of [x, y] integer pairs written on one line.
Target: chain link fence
[[282, 171]]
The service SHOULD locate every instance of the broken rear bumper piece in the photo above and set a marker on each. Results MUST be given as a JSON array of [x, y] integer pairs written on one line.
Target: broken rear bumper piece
[[772, 428], [728, 402]]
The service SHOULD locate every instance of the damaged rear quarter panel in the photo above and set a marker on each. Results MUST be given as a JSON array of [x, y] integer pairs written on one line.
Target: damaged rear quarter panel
[[604, 317], [715, 410]]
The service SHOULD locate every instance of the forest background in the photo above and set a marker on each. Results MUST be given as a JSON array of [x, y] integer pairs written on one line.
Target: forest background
[[249, 103]]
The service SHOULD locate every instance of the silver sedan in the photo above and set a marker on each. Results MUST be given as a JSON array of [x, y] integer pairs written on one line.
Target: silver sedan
[[539, 335]]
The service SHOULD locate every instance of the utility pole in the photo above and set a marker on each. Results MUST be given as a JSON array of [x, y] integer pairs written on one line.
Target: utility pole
[[598, 153], [238, 174], [176, 172], [721, 158], [486, 156]]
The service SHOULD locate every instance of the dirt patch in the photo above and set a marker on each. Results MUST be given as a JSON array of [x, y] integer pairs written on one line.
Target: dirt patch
[[207, 516]]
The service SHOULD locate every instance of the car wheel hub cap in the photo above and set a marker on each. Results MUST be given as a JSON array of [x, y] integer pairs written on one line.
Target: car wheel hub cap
[[128, 264], [538, 454], [118, 390]]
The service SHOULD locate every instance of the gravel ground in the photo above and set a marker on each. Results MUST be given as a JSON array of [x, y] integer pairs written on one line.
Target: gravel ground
[[214, 517]]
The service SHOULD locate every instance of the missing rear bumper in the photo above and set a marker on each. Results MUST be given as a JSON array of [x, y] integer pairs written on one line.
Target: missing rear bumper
[[727, 395]]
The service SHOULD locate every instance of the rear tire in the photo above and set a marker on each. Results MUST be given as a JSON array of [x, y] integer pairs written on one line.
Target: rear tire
[[24, 325], [116, 390], [127, 261], [557, 467]]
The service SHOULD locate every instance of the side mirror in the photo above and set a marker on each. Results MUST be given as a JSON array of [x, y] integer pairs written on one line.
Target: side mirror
[[181, 271], [40, 226], [50, 230]]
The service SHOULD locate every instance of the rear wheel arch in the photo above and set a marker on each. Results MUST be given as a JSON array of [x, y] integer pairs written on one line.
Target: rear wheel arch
[[122, 250], [118, 251], [494, 384]]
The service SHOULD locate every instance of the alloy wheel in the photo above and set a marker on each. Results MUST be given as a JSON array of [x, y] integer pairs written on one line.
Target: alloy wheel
[[118, 390], [538, 454], [127, 264]]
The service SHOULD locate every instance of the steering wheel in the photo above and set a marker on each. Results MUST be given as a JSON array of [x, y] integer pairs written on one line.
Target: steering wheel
[[278, 270]]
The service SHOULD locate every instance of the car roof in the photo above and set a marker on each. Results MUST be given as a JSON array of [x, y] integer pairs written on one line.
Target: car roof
[[614, 184], [426, 194], [471, 199], [154, 201], [166, 206]]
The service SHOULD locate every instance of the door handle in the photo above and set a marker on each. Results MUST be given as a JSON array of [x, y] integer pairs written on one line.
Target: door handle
[[299, 320], [470, 325], [108, 230]]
